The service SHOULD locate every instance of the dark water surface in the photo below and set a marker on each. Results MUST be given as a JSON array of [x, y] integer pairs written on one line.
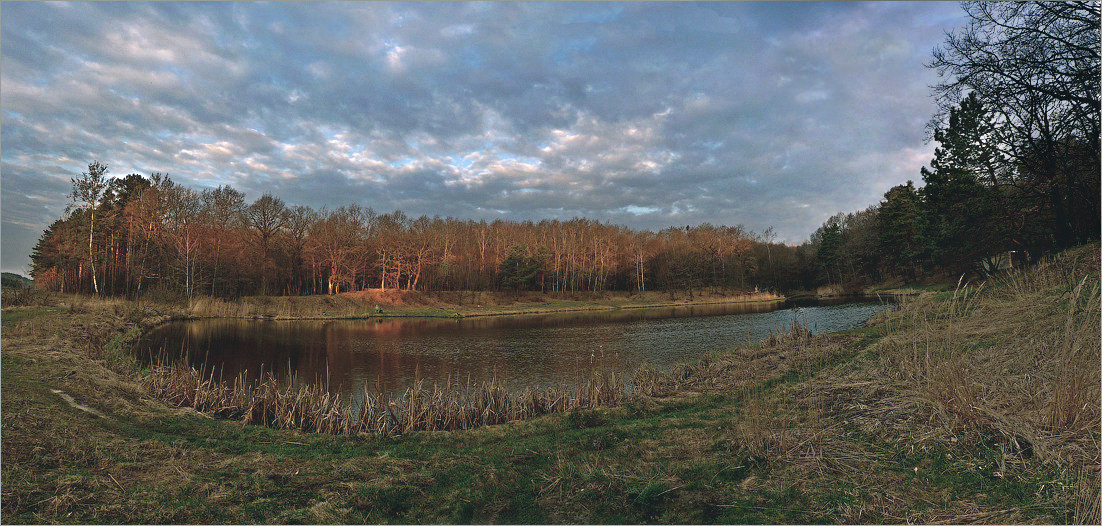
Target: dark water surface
[[520, 351]]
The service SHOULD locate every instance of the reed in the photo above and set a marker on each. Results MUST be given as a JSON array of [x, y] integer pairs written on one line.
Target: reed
[[312, 408], [648, 381], [795, 334]]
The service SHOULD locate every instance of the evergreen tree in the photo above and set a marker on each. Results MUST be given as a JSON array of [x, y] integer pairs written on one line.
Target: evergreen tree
[[901, 239], [961, 214], [828, 257], [1035, 66], [521, 270]]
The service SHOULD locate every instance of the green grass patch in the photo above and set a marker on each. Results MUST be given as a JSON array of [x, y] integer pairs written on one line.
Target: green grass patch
[[12, 316]]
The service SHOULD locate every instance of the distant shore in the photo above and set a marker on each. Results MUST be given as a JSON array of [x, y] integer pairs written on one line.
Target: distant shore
[[378, 303]]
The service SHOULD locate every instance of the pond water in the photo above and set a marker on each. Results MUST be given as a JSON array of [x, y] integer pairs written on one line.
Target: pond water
[[388, 354]]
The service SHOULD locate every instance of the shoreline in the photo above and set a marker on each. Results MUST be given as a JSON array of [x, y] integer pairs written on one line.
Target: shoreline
[[479, 314], [456, 311]]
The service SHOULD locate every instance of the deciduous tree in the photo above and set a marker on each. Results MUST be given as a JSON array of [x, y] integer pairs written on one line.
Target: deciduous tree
[[1036, 67], [88, 191]]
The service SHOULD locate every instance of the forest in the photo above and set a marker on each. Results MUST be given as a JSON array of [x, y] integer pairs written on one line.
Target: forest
[[134, 235], [1015, 176]]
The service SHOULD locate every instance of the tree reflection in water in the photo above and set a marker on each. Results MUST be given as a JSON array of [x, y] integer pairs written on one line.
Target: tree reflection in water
[[520, 351]]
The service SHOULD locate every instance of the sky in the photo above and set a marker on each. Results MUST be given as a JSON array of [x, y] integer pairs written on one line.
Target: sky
[[647, 115]]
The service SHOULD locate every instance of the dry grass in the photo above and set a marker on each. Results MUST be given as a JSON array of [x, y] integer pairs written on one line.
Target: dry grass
[[312, 408], [764, 430], [779, 421], [788, 349], [1021, 360], [1011, 365], [795, 335], [275, 307], [26, 297], [979, 406], [1015, 363], [391, 302]]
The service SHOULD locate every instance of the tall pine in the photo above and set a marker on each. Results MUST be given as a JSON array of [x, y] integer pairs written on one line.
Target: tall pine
[[960, 202], [901, 230]]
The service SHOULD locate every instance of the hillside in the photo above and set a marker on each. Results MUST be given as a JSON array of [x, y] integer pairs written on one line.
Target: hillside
[[10, 279]]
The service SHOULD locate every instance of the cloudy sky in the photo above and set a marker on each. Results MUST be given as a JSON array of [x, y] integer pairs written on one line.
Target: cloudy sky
[[642, 114]]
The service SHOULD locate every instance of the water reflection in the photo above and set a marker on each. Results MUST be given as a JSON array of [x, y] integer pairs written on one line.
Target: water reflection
[[520, 351]]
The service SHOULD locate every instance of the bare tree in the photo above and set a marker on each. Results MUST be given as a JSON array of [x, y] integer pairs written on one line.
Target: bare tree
[[223, 211], [1035, 66], [266, 217], [181, 219], [299, 221], [333, 242]]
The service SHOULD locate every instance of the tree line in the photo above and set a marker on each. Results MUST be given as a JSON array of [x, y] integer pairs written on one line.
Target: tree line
[[129, 235], [1015, 175], [1016, 172]]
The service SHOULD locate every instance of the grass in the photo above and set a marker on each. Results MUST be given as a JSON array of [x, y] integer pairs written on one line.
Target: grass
[[14, 318], [914, 288], [853, 427], [400, 303]]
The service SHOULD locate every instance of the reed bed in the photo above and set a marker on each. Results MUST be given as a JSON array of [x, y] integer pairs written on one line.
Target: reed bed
[[420, 407], [795, 334], [452, 405]]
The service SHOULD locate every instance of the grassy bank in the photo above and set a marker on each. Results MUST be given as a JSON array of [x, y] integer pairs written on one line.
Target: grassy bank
[[378, 303], [975, 406], [886, 290], [398, 303]]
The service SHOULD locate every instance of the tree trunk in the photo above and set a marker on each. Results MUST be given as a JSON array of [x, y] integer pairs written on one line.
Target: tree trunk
[[91, 256]]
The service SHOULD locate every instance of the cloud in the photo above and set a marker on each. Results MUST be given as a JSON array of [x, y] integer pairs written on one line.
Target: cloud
[[645, 114]]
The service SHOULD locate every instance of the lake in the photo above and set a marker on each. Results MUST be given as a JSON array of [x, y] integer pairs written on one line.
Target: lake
[[552, 350]]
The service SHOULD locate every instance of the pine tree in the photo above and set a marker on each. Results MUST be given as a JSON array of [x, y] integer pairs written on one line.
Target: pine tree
[[961, 218], [901, 227]]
